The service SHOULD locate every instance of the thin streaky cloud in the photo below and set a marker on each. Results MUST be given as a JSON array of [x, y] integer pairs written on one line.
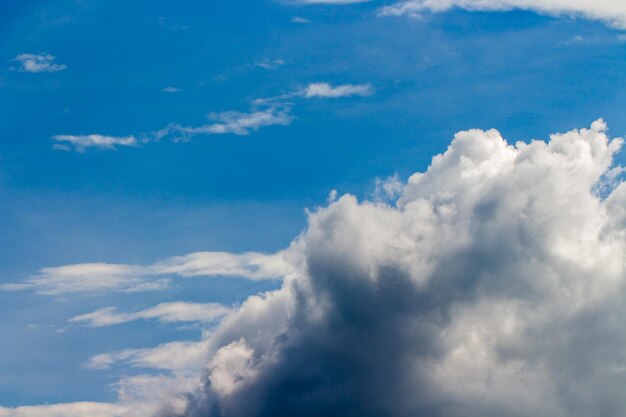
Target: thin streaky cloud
[[234, 123], [609, 11], [265, 112], [171, 89], [89, 278], [80, 143], [77, 409], [172, 356], [171, 312], [318, 90], [270, 64]]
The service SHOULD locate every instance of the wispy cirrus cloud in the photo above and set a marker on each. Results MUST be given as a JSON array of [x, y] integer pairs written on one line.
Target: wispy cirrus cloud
[[232, 122], [171, 89], [235, 123], [270, 64], [164, 312], [89, 278], [38, 63], [78, 409], [172, 356], [80, 143], [609, 11], [264, 112]]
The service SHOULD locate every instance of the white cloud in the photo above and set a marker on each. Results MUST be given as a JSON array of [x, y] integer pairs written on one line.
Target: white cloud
[[270, 64], [173, 356], [612, 12], [88, 278], [79, 409], [325, 90], [171, 89], [100, 277], [252, 265], [164, 312], [82, 142], [265, 112], [493, 286], [235, 123], [38, 63]]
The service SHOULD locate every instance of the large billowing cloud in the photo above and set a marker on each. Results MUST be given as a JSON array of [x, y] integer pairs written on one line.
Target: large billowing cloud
[[612, 12], [493, 286]]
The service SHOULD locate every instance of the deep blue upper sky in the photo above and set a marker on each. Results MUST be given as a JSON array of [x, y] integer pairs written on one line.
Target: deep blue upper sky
[[525, 74]]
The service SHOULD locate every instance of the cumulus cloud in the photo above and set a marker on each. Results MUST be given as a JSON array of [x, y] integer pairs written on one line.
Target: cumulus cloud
[[38, 63], [164, 312], [325, 90], [81, 142], [492, 286], [101, 277], [612, 12]]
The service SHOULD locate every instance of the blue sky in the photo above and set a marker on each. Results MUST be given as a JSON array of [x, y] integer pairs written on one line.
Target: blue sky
[[350, 96]]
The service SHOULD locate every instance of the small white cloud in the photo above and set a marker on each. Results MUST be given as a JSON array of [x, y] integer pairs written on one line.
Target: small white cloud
[[270, 64], [325, 90], [388, 189], [236, 123], [82, 142], [38, 63], [164, 312], [171, 89], [298, 19], [332, 196]]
